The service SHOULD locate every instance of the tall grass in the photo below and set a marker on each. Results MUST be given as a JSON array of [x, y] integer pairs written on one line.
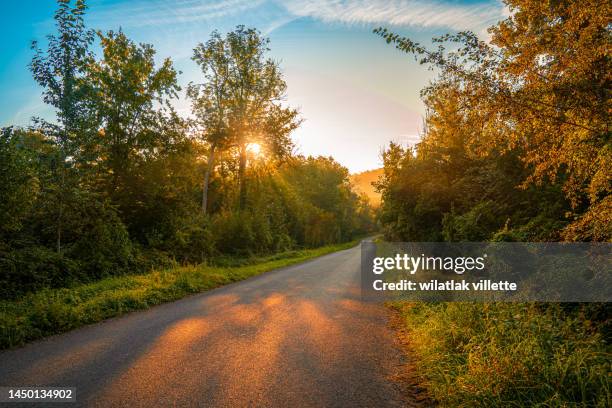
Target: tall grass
[[508, 355], [53, 311]]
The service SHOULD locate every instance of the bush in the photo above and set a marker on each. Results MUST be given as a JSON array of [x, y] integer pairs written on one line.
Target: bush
[[191, 241], [473, 226], [103, 247], [234, 234], [96, 244], [35, 267]]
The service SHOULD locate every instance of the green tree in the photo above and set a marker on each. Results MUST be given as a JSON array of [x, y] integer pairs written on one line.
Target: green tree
[[131, 98], [141, 157], [59, 70], [240, 101], [210, 101]]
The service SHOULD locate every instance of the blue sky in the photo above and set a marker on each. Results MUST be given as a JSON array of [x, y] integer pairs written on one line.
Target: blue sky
[[355, 92]]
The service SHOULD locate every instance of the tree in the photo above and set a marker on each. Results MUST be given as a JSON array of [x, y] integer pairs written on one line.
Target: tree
[[210, 101], [132, 107], [323, 185], [240, 102], [541, 89], [112, 186], [59, 70], [456, 185]]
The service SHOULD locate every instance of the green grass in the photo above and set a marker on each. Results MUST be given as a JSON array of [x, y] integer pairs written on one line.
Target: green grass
[[508, 355], [55, 311]]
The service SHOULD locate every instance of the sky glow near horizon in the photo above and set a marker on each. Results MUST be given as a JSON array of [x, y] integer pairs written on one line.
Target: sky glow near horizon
[[355, 92]]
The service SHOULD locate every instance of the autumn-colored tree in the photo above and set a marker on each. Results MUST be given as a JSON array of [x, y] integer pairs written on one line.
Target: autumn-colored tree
[[540, 89]]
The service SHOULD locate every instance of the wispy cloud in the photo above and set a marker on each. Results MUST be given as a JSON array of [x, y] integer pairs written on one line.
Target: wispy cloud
[[410, 13], [142, 13], [416, 13], [452, 14]]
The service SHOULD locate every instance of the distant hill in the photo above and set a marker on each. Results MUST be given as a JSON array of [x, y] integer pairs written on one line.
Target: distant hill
[[362, 183]]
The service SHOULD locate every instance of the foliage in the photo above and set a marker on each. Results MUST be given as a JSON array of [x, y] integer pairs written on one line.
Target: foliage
[[95, 242], [306, 202], [19, 184], [60, 71], [240, 101], [539, 93], [125, 89], [516, 147], [112, 187]]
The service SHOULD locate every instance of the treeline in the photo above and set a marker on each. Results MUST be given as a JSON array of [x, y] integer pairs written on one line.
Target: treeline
[[120, 183], [516, 145]]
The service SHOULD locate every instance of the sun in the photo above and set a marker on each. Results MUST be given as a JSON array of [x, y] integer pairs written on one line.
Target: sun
[[254, 148]]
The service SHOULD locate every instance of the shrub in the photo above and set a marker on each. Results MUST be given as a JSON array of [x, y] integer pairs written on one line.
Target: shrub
[[103, 247], [473, 226], [34, 267], [233, 232]]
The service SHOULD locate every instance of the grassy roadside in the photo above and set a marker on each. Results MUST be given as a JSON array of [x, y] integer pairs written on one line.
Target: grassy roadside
[[55, 311], [507, 355]]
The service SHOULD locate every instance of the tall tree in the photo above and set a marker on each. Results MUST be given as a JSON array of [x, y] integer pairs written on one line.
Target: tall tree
[[241, 101], [59, 70], [210, 101], [132, 106]]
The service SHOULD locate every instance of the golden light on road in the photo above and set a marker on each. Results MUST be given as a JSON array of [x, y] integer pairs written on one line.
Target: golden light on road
[[254, 149]]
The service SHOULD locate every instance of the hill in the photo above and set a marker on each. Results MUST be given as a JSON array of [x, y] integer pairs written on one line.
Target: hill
[[362, 183]]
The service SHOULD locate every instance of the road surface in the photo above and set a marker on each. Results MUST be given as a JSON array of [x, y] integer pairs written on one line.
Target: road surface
[[294, 337]]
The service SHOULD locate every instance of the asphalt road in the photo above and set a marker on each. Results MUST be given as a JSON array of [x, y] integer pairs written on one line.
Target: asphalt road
[[294, 337]]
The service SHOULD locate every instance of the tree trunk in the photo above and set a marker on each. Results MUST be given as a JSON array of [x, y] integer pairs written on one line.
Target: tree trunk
[[58, 233], [60, 204], [242, 177], [209, 167]]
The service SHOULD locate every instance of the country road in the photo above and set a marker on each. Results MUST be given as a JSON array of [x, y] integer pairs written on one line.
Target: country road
[[294, 337]]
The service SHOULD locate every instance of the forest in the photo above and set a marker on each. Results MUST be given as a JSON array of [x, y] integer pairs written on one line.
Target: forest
[[120, 183], [121, 203], [516, 147]]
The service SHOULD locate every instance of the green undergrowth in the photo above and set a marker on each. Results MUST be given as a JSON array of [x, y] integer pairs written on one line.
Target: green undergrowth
[[509, 355], [53, 311]]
